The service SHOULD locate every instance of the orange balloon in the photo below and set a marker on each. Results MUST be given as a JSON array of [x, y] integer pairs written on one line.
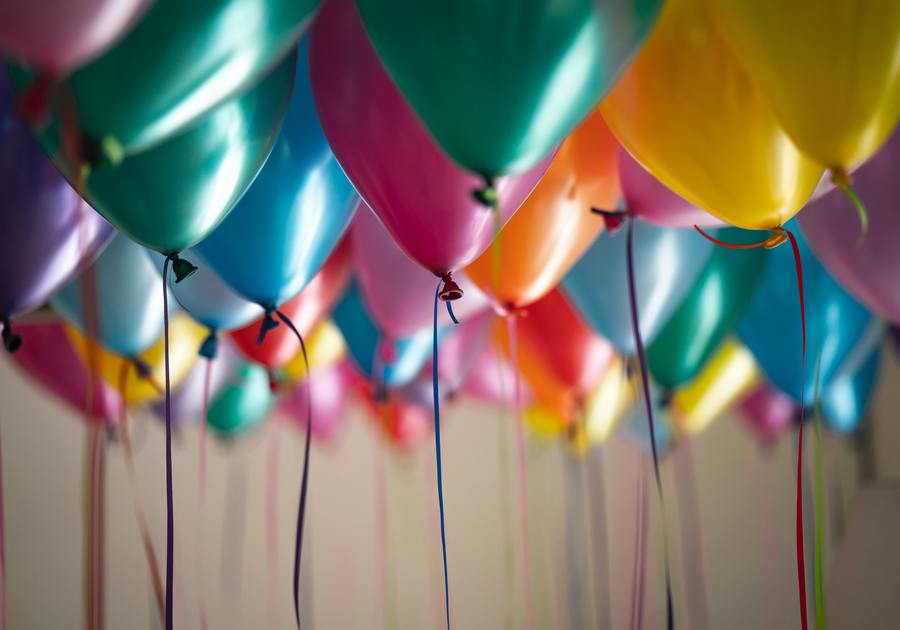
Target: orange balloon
[[554, 226]]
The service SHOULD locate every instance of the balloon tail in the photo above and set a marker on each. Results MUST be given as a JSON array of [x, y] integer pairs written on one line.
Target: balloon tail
[[841, 179], [181, 268], [645, 382], [170, 519], [437, 446], [301, 511]]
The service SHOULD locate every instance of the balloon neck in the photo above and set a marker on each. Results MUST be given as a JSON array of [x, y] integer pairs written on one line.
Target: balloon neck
[[776, 238], [450, 291], [613, 220], [487, 194], [840, 177], [268, 323], [665, 397], [842, 180], [11, 341], [210, 346], [142, 368], [181, 267]]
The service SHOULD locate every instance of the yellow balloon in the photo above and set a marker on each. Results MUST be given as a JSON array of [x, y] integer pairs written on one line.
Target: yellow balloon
[[185, 337], [325, 347], [727, 378], [605, 407], [544, 422], [830, 69], [691, 114]]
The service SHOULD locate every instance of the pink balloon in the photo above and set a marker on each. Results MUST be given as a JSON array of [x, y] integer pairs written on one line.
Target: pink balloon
[[47, 356], [397, 291], [59, 36], [868, 269], [768, 411], [422, 197], [331, 389], [652, 201], [492, 380]]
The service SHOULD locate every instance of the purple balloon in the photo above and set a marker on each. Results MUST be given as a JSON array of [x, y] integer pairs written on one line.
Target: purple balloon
[[869, 269], [331, 389], [48, 232], [768, 411]]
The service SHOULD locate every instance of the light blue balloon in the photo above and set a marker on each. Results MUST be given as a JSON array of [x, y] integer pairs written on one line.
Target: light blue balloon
[[278, 236], [129, 299], [206, 297], [667, 261], [364, 342], [846, 399], [835, 322]]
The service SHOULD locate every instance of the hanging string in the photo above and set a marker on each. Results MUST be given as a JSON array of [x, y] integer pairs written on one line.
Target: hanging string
[[381, 532], [844, 182], [638, 572], [504, 494], [437, 447], [818, 564], [170, 519], [97, 530], [3, 576], [645, 381], [272, 462], [523, 481]]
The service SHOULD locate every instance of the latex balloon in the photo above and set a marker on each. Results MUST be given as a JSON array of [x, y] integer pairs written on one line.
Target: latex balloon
[[728, 377], [48, 232], [325, 349], [544, 422], [499, 85], [667, 261], [58, 36], [845, 402], [243, 404], [424, 199], [555, 225], [279, 235], [170, 197], [128, 299], [461, 350], [177, 63], [185, 338], [835, 323], [804, 54], [768, 411], [403, 424], [606, 406], [331, 388], [716, 303], [48, 358], [396, 290], [867, 270], [721, 149], [306, 310], [648, 199]]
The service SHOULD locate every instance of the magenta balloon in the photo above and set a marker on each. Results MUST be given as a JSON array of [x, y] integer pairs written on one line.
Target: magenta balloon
[[331, 389], [57, 36], [421, 196], [652, 201], [869, 270], [48, 358], [768, 411], [396, 290]]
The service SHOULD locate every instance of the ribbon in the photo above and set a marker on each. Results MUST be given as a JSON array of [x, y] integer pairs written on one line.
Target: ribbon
[[170, 519], [437, 448]]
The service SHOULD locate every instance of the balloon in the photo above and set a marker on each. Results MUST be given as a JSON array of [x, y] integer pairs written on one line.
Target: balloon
[[725, 380], [667, 261], [292, 217], [185, 338], [396, 290], [325, 349], [402, 423], [305, 310], [491, 378], [170, 197], [717, 301], [636, 428], [648, 199], [829, 70], [866, 270], [331, 388], [688, 111], [128, 299], [498, 85], [243, 404], [835, 323], [58, 36], [48, 232], [423, 199], [48, 358], [180, 61], [606, 406], [554, 226], [768, 411], [846, 400]]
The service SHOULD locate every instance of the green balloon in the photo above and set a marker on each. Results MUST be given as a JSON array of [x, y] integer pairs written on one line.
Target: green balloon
[[170, 197], [180, 60], [715, 304], [499, 84], [243, 404]]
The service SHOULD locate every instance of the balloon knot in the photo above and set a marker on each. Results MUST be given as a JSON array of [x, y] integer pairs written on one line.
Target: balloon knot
[[613, 220], [11, 341], [181, 268], [450, 291], [665, 397], [776, 238], [34, 104], [210, 346], [268, 323], [840, 177], [487, 194], [142, 368]]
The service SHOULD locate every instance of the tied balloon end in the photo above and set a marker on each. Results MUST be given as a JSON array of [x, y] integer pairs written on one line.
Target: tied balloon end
[[778, 236], [268, 323], [613, 220], [182, 268], [449, 293], [487, 194], [141, 368], [11, 341], [210, 346], [841, 179]]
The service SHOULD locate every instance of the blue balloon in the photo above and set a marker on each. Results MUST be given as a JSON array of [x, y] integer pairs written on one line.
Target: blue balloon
[[667, 261], [278, 236], [129, 299], [835, 322], [364, 341]]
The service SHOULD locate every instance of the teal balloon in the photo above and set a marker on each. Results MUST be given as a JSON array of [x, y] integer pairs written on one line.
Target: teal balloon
[[499, 84], [404, 358], [179, 61], [710, 311], [292, 217], [128, 300], [845, 402], [243, 403], [171, 196], [667, 262], [835, 322]]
